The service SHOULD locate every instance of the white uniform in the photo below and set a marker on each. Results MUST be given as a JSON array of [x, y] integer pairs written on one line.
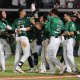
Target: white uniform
[[52, 52], [68, 54], [5, 52], [44, 55], [68, 48]]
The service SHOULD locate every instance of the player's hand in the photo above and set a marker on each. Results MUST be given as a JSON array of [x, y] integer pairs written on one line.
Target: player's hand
[[32, 20], [78, 32], [18, 30]]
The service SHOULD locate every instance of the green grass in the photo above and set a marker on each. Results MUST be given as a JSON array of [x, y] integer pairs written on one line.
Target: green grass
[[9, 70]]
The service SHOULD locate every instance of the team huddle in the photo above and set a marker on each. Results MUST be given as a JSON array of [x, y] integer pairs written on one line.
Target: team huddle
[[54, 33]]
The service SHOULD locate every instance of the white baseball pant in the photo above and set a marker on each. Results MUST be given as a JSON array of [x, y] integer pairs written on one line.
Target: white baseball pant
[[2, 56], [6, 48], [20, 48], [52, 52], [68, 54], [68, 68], [33, 46], [44, 54]]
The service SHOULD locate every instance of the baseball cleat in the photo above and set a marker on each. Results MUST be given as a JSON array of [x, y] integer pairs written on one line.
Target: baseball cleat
[[18, 69], [42, 71], [68, 70], [36, 68], [32, 70], [76, 72], [62, 70]]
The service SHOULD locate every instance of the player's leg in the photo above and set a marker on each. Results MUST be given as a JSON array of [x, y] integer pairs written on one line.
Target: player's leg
[[2, 57], [79, 49], [62, 59], [44, 60], [68, 68], [17, 53], [39, 49], [7, 48], [30, 61], [52, 52], [63, 49], [43, 64], [34, 53], [70, 55], [26, 52]]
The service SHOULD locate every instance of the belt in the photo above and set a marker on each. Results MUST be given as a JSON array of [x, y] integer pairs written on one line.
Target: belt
[[56, 36], [67, 38]]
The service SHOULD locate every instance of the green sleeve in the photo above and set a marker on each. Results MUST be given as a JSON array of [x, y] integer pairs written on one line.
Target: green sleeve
[[47, 26], [72, 27], [62, 24], [27, 22], [14, 26], [49, 18], [2, 27]]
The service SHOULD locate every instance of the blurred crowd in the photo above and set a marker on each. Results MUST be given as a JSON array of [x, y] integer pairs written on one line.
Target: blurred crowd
[[40, 3]]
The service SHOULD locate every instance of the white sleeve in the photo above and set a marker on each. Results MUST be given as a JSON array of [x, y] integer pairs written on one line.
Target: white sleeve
[[23, 29], [9, 27]]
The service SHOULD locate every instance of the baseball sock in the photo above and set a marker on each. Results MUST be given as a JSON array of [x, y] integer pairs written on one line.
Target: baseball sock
[[62, 59], [30, 62], [35, 55], [20, 64]]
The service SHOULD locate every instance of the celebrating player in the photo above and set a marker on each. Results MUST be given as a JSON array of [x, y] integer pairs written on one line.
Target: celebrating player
[[56, 25], [21, 26], [69, 35]]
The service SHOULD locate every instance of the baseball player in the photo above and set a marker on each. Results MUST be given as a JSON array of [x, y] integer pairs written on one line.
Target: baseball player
[[45, 41], [5, 50], [69, 35], [33, 44], [56, 26], [78, 29], [4, 35], [21, 26], [6, 44], [2, 54]]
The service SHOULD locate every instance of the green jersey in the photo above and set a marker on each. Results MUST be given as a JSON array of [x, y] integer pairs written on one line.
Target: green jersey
[[45, 30], [78, 29], [70, 26], [5, 22], [2, 27], [56, 26], [21, 23]]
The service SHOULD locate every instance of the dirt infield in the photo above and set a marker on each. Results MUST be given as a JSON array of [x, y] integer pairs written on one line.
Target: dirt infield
[[36, 77]]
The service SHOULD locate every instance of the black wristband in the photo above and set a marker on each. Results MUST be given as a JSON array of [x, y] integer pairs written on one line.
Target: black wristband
[[75, 32]]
